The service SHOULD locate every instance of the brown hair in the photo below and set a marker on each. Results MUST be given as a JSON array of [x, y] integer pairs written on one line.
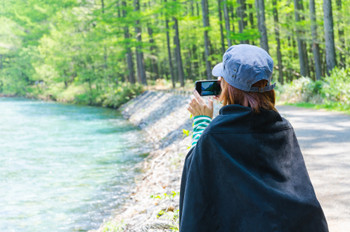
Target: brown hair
[[256, 101]]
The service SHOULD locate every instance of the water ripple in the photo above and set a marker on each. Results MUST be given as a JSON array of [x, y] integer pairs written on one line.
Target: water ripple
[[63, 167]]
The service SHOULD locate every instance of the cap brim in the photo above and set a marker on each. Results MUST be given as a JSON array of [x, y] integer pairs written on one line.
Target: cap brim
[[218, 70]]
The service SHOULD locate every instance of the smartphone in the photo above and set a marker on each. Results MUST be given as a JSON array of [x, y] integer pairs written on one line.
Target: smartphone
[[208, 87]]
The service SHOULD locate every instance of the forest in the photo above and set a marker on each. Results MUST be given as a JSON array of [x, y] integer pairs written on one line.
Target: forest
[[101, 52]]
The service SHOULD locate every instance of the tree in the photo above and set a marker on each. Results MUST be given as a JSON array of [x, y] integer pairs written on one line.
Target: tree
[[1, 55], [178, 52], [205, 18], [71, 44], [227, 24], [303, 61], [139, 54], [105, 54], [241, 13], [277, 36], [260, 6], [341, 33], [315, 45], [329, 35], [170, 60], [129, 58], [221, 28], [153, 46]]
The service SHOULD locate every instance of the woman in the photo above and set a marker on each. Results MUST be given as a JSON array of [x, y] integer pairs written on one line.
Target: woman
[[245, 171]]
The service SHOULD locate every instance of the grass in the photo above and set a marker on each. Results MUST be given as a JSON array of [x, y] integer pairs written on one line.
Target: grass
[[332, 106], [113, 226]]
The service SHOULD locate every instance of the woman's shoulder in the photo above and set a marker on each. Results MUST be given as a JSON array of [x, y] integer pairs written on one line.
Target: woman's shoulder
[[240, 120]]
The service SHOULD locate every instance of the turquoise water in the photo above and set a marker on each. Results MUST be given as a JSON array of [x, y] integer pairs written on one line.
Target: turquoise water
[[63, 167]]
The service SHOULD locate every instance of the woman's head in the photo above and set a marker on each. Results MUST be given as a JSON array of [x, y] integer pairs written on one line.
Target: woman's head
[[255, 100], [243, 65], [246, 73]]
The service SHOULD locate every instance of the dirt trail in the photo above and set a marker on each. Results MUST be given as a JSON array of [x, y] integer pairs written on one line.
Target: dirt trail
[[324, 138]]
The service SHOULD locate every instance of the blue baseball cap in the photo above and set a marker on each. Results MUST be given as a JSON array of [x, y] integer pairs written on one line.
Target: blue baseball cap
[[243, 65]]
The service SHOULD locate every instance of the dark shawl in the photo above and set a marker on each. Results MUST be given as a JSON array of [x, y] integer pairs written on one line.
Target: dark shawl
[[247, 174]]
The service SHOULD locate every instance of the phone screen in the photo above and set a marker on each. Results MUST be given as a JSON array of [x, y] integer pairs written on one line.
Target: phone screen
[[208, 88]]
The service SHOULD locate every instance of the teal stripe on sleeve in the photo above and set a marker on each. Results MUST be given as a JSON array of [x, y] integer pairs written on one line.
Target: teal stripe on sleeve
[[200, 123]]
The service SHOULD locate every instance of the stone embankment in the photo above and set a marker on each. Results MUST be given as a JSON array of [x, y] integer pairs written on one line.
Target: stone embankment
[[153, 204], [324, 138]]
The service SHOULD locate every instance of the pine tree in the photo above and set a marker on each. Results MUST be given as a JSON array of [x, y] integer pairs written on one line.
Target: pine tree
[[260, 6], [205, 18], [315, 45], [329, 35], [277, 36], [303, 61]]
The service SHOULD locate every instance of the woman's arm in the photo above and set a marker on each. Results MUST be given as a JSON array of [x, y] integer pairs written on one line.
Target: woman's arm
[[202, 113], [200, 122]]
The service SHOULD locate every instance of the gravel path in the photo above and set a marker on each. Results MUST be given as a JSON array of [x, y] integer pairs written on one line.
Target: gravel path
[[324, 138]]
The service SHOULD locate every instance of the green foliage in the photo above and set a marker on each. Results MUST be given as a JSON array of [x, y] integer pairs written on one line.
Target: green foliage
[[332, 92], [166, 196], [113, 226], [75, 51], [160, 213], [301, 90], [170, 215], [332, 106], [336, 86], [114, 97], [185, 132]]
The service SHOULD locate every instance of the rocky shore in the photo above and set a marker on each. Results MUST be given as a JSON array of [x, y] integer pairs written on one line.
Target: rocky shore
[[7, 95], [153, 203]]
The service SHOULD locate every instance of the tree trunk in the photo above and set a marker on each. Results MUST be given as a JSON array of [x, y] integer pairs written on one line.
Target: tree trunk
[[251, 19], [277, 35], [197, 8], [192, 8], [329, 35], [241, 13], [305, 50], [169, 51], [206, 37], [301, 44], [153, 53], [153, 49], [341, 35], [105, 57], [103, 6], [315, 45], [227, 25], [221, 28], [232, 15], [178, 53], [139, 54], [130, 61], [260, 6]]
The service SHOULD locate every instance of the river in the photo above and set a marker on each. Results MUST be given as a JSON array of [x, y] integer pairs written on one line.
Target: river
[[63, 167]]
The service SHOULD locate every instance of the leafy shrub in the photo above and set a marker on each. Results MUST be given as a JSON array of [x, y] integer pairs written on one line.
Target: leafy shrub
[[301, 90], [336, 87], [332, 88], [115, 97]]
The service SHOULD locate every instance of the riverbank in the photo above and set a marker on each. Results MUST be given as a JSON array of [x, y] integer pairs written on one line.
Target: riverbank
[[110, 97], [7, 95], [153, 204]]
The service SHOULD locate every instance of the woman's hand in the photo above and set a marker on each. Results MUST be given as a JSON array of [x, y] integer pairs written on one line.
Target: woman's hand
[[198, 107]]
